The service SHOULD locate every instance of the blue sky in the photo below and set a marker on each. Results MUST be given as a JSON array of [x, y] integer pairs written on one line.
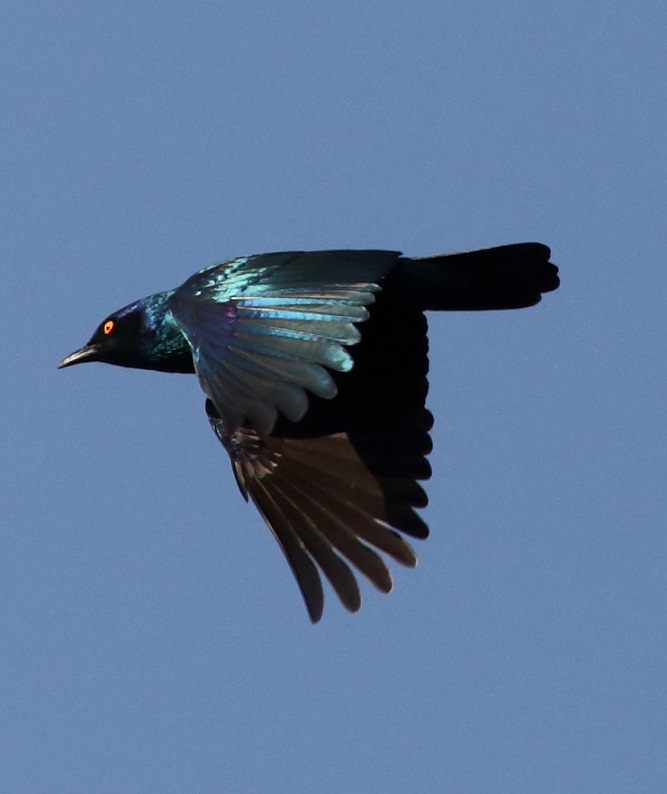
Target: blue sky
[[153, 638]]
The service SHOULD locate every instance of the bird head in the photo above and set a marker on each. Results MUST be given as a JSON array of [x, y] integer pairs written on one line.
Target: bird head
[[117, 340], [142, 335]]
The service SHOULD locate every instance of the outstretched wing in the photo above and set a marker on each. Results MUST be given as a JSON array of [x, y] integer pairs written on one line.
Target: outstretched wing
[[264, 329], [336, 499]]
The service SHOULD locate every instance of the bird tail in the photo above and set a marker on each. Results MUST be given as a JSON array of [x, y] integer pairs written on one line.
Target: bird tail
[[507, 277]]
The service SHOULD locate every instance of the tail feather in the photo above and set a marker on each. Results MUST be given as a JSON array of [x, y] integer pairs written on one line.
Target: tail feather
[[506, 277]]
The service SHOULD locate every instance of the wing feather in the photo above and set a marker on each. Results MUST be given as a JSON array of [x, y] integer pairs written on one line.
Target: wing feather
[[323, 503], [265, 329]]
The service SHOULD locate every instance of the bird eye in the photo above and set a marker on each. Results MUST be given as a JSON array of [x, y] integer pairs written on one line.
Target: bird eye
[[108, 326]]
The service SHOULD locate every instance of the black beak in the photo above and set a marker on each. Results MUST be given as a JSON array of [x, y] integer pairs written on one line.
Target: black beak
[[86, 353]]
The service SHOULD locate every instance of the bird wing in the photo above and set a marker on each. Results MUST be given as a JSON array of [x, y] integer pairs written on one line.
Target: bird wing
[[336, 499], [265, 328]]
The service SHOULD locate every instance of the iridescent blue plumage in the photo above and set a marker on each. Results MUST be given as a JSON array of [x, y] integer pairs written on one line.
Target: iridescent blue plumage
[[161, 339], [265, 329], [314, 365]]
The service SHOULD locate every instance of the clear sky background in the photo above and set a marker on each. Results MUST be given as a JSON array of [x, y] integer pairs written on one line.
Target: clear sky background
[[152, 637]]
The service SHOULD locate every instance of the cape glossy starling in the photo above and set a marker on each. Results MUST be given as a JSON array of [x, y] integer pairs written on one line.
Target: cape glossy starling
[[314, 367]]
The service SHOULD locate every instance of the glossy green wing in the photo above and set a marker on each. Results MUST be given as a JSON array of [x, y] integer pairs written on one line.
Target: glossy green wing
[[265, 329]]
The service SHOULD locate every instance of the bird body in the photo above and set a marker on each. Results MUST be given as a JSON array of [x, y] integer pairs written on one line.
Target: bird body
[[314, 365]]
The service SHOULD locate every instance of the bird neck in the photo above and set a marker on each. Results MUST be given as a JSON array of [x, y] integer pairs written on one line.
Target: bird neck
[[162, 346]]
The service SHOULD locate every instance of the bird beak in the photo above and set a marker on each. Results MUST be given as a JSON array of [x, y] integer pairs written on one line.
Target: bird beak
[[86, 353]]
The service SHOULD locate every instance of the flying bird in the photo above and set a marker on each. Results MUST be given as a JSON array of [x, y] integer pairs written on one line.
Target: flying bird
[[314, 366]]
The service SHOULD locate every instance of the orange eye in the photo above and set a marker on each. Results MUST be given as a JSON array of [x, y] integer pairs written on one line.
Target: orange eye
[[108, 326]]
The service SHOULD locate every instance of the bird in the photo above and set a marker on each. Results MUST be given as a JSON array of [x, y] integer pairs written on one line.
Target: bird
[[314, 366]]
